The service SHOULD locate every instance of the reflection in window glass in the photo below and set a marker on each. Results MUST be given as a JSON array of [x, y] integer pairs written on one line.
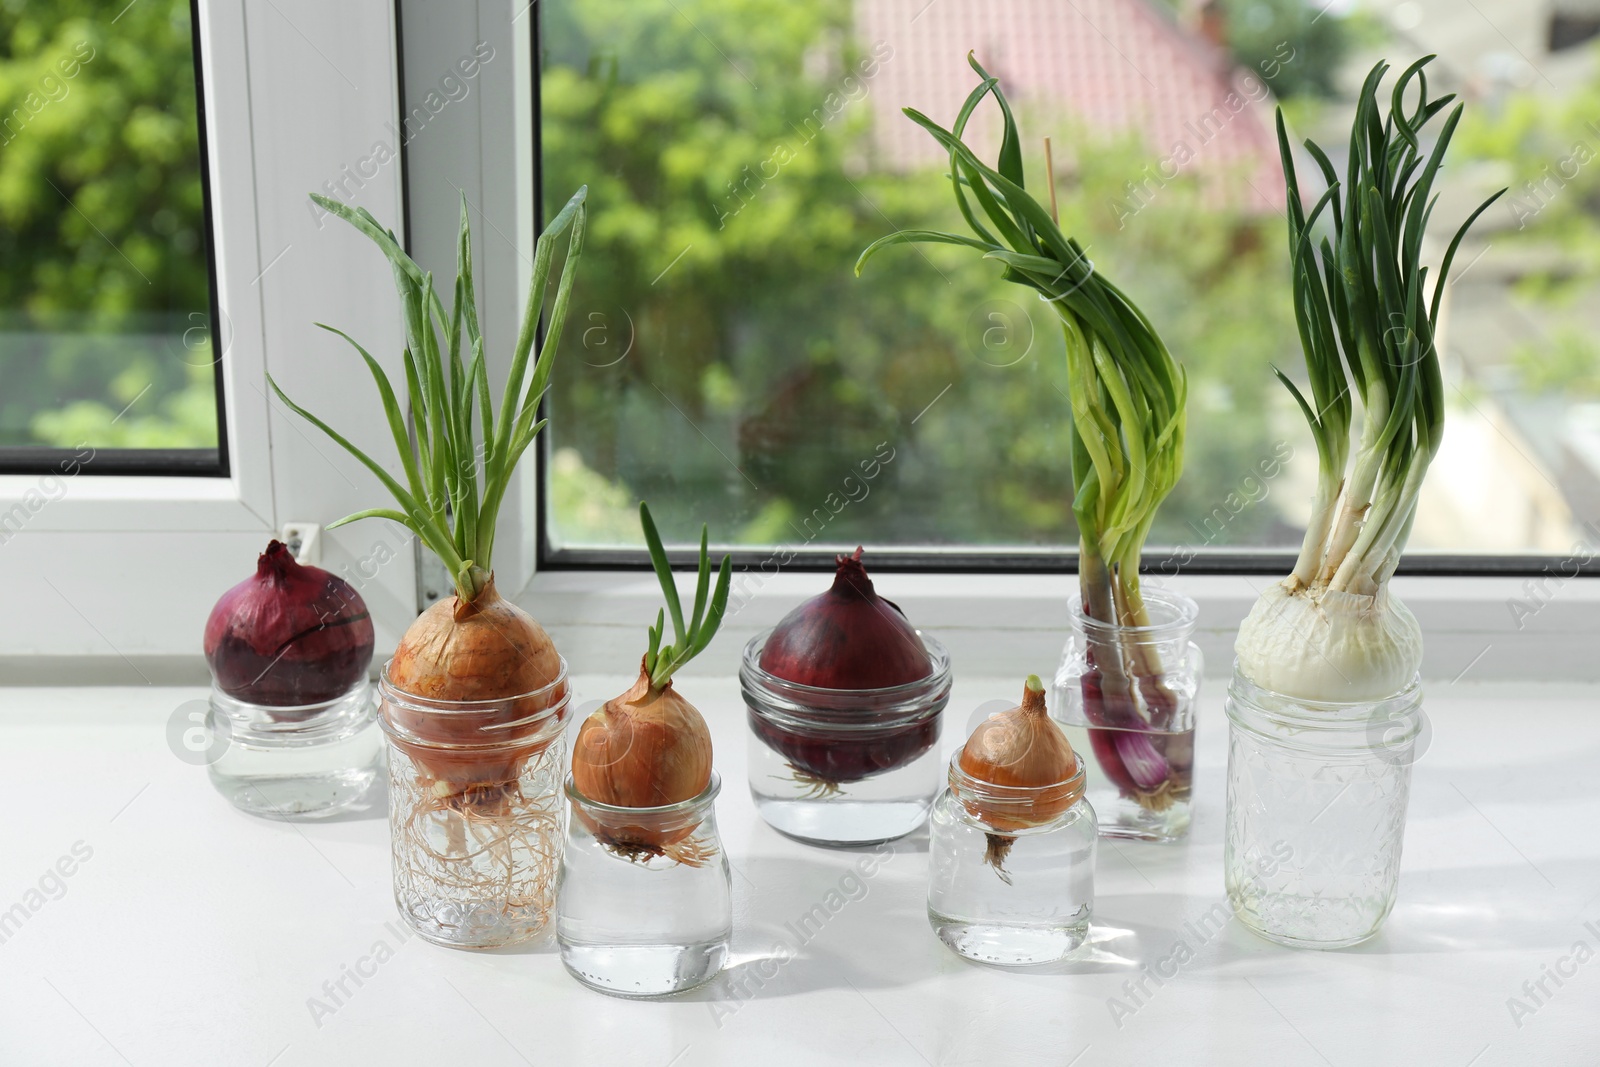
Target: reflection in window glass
[[723, 362], [105, 326]]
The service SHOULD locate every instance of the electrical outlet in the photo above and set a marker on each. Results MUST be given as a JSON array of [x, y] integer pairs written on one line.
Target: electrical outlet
[[304, 540]]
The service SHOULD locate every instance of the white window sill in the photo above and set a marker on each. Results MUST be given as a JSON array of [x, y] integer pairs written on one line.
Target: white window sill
[[1499, 862], [996, 626], [1011, 625]]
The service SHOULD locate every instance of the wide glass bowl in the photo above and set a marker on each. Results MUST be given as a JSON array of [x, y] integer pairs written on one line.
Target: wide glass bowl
[[844, 767]]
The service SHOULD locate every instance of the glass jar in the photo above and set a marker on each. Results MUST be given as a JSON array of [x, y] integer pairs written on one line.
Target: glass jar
[[844, 766], [475, 812], [1003, 892], [303, 762], [1316, 812], [645, 906], [1128, 694]]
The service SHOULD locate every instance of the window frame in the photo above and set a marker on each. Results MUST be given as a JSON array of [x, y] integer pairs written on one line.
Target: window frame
[[1002, 612], [121, 569], [123, 462], [998, 610], [1207, 562], [160, 462], [999, 559], [1013, 624]]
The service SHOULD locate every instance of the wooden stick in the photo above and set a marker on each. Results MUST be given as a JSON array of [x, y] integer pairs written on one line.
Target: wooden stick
[[1050, 175]]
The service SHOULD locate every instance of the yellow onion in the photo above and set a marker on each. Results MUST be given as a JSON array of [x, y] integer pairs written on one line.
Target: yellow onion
[[648, 748], [462, 651], [483, 649], [644, 749], [1022, 771]]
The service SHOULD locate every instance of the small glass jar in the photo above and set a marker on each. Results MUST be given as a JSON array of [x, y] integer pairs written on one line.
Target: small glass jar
[[475, 812], [1316, 812], [1004, 893], [1129, 694], [303, 762], [645, 906], [844, 767]]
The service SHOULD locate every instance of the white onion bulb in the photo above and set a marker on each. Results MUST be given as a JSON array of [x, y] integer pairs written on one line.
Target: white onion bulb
[[1335, 647]]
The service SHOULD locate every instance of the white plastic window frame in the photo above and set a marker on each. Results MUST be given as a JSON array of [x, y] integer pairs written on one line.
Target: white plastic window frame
[[114, 576], [1479, 628], [113, 579]]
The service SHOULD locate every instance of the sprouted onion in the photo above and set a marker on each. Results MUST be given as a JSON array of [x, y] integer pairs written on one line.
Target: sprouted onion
[[1127, 395], [649, 747], [1332, 631], [475, 645], [1026, 756]]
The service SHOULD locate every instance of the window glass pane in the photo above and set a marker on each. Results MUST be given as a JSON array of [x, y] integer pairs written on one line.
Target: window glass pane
[[723, 362], [106, 338]]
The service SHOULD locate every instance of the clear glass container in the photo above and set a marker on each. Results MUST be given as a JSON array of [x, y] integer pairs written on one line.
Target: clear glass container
[[1316, 812], [305, 762], [1001, 891], [475, 812], [645, 906], [1128, 695], [844, 767]]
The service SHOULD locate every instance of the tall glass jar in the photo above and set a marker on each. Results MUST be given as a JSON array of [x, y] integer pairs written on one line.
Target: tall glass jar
[[844, 766], [475, 812], [1006, 894], [1316, 812], [645, 906], [1128, 695]]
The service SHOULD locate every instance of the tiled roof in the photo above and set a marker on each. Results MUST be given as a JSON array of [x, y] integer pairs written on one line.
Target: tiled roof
[[1116, 65]]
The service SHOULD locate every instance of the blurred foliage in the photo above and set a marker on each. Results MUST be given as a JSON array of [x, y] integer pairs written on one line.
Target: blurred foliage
[[733, 185], [104, 288], [597, 510], [723, 362], [1320, 42], [1550, 149], [1568, 364], [1548, 152]]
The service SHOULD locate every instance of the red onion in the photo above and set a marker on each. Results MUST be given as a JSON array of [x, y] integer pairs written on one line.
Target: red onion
[[1136, 750], [851, 639], [846, 638], [827, 761], [288, 636]]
